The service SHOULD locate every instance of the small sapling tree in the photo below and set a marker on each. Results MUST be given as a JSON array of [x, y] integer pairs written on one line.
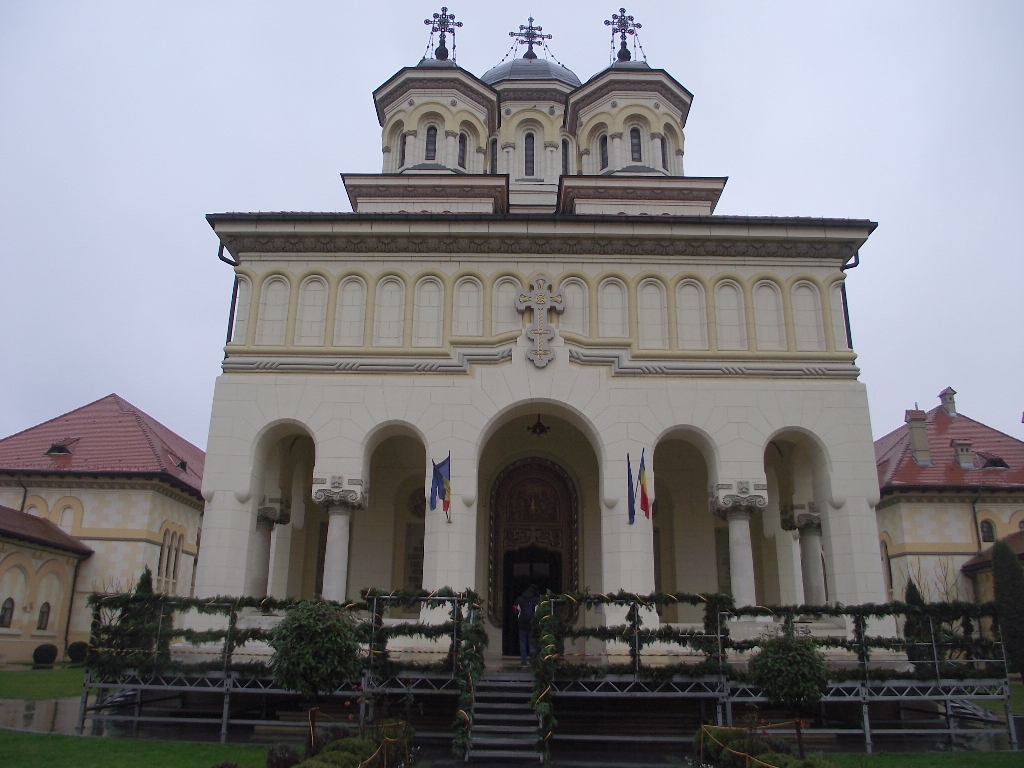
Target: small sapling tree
[[1008, 576], [791, 673]]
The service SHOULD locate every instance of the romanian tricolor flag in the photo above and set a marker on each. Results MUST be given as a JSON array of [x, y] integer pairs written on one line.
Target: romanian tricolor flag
[[441, 484], [641, 481], [632, 496]]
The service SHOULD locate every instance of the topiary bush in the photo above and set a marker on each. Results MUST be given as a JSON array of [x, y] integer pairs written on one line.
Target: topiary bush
[[44, 655], [77, 652], [361, 748], [316, 650], [282, 756], [1008, 577]]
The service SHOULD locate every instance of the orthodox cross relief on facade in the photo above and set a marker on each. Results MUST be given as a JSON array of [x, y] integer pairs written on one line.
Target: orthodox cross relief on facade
[[541, 298]]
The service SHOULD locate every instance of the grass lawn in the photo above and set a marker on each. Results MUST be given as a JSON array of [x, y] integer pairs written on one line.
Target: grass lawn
[[930, 760], [29, 750], [38, 684]]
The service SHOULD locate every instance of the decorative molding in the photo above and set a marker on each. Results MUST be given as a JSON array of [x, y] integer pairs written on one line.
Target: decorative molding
[[550, 145], [893, 497], [623, 364], [553, 244], [532, 95], [450, 134], [48, 481], [488, 103], [273, 515], [731, 503], [657, 87], [459, 362], [809, 524], [346, 499]]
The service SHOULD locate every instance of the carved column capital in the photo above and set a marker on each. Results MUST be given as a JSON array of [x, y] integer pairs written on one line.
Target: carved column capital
[[809, 523], [340, 499], [450, 134], [273, 516], [744, 499]]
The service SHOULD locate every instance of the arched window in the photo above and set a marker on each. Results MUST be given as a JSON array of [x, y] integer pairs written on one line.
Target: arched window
[[494, 156], [312, 313], [652, 315], [242, 301], [612, 311], [730, 319], [529, 167], [576, 316], [177, 558], [431, 153], [401, 149], [769, 325], [428, 313], [161, 560], [634, 145], [273, 318], [504, 315], [835, 298], [67, 519], [565, 157], [389, 313], [664, 153], [7, 613], [462, 150], [887, 570], [691, 315], [350, 313], [1020, 525], [603, 145], [988, 531], [468, 314], [44, 617], [810, 335]]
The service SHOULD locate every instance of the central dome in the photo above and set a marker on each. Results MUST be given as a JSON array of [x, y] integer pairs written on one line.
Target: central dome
[[530, 69]]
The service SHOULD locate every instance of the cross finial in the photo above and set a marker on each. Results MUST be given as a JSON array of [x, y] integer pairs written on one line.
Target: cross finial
[[529, 34], [623, 25], [444, 23]]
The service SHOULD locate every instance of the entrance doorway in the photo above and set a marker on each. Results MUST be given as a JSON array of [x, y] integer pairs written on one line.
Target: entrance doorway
[[534, 539], [523, 567]]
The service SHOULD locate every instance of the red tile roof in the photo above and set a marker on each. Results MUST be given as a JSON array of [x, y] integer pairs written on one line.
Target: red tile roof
[[897, 468], [984, 559], [107, 437], [36, 530]]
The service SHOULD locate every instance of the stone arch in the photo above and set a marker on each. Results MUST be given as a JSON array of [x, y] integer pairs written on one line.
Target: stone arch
[[548, 406]]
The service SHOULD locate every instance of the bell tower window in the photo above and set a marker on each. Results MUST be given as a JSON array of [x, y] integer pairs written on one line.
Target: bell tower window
[[604, 152], [462, 150], [401, 150], [664, 153], [431, 153], [529, 155], [634, 145], [565, 157], [494, 156]]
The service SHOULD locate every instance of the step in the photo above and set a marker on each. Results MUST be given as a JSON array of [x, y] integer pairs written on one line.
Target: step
[[530, 729], [504, 755], [502, 706], [483, 718]]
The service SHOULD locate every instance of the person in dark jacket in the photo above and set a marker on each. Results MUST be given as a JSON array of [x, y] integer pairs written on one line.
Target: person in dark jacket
[[525, 608]]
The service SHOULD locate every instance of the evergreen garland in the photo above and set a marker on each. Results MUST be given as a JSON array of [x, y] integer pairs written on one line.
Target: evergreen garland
[[1009, 593]]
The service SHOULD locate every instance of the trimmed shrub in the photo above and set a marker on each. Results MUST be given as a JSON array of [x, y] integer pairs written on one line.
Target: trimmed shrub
[[44, 655], [338, 759], [1008, 576], [77, 652], [282, 756], [361, 748], [791, 672], [316, 650], [915, 629]]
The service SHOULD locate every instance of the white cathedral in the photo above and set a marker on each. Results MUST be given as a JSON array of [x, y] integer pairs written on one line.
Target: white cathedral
[[533, 287]]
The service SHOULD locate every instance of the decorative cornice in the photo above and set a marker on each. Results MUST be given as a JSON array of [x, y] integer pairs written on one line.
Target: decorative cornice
[[43, 481], [343, 499], [459, 362], [478, 96], [891, 498], [623, 364], [553, 244], [532, 95], [662, 89]]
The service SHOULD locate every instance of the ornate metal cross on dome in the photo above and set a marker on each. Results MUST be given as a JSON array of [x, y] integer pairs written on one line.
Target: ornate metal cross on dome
[[444, 23], [623, 25], [529, 34], [541, 298]]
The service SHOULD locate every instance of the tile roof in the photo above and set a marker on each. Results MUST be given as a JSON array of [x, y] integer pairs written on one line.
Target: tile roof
[[108, 437], [37, 530], [897, 467], [984, 559]]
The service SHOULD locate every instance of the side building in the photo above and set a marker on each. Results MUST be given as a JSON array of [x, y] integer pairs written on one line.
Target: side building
[[950, 487], [115, 480]]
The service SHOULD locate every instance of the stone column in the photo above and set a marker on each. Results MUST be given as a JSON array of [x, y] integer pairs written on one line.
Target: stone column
[[615, 150], [259, 569], [587, 169], [679, 162], [339, 503], [656, 160], [552, 171], [451, 149], [508, 150], [410, 146], [737, 510], [809, 526]]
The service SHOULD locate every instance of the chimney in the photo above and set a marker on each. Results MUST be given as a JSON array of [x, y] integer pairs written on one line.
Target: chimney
[[918, 428], [963, 453], [948, 403]]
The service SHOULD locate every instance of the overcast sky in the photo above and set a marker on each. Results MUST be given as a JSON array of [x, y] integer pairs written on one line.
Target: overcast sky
[[122, 124]]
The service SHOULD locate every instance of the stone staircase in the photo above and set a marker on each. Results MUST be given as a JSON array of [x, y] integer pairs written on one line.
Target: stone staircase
[[504, 725]]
